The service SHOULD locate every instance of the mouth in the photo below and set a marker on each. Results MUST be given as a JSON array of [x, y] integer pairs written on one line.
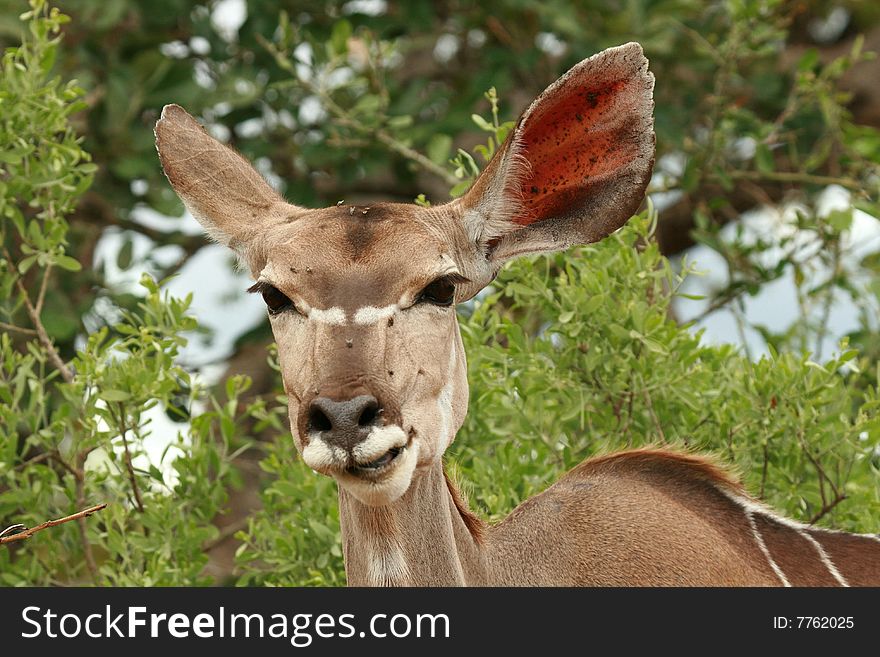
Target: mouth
[[377, 468], [376, 471], [378, 465], [379, 473]]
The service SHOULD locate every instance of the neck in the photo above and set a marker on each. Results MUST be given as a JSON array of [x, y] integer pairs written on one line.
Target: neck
[[421, 538]]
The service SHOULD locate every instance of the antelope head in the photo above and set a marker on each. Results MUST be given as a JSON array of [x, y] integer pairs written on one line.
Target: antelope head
[[362, 300]]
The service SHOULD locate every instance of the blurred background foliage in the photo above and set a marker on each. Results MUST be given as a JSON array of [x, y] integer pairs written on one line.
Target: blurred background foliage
[[759, 104]]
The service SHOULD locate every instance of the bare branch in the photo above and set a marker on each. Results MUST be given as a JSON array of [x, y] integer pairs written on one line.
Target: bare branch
[[123, 427], [37, 459], [23, 533], [827, 507], [656, 420], [797, 177], [766, 459], [41, 297], [17, 329], [226, 533], [44, 338], [81, 520]]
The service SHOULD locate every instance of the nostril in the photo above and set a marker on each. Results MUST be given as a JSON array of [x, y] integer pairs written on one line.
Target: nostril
[[343, 421], [318, 420], [368, 414]]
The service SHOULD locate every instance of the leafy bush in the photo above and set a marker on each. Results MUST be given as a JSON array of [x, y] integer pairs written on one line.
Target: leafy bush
[[72, 434], [577, 354]]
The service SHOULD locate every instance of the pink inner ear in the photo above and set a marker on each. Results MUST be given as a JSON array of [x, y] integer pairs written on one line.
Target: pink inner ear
[[572, 139]]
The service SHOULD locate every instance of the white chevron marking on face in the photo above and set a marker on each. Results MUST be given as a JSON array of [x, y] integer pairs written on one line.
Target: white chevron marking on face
[[372, 314], [333, 316]]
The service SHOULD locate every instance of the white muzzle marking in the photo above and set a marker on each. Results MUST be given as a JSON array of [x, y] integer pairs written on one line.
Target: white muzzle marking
[[378, 442], [332, 460], [320, 456]]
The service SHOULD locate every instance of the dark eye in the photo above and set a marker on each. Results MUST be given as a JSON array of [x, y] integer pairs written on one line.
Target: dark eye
[[276, 300], [440, 292]]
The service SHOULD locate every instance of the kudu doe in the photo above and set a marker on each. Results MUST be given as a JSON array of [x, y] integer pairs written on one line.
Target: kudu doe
[[362, 305]]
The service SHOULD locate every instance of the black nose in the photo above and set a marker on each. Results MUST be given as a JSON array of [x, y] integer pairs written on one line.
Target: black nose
[[344, 423]]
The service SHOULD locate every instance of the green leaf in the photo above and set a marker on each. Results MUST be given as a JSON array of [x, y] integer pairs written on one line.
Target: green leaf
[[10, 156], [112, 395], [68, 263], [808, 60], [840, 220], [593, 304], [438, 148], [26, 264], [764, 158], [123, 258], [340, 36], [482, 123], [460, 188], [399, 122]]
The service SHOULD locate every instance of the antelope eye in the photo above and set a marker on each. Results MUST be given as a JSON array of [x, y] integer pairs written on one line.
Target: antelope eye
[[440, 292], [276, 300]]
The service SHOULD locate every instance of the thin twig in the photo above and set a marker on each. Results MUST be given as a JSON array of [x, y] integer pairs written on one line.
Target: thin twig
[[650, 406], [739, 316], [764, 470], [44, 338], [33, 461], [795, 177], [17, 329], [839, 496], [343, 118], [827, 507], [226, 533], [76, 474], [139, 502], [41, 297], [81, 521], [700, 39], [829, 301], [411, 154], [24, 533]]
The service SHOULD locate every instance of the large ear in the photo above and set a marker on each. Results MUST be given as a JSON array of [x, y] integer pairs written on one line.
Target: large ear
[[217, 185], [576, 166]]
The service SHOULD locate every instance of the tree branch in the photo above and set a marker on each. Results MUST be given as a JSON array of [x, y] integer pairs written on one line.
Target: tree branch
[[22, 533], [18, 329], [81, 520], [797, 177], [827, 507], [226, 533], [41, 297], [343, 118], [123, 426], [43, 337]]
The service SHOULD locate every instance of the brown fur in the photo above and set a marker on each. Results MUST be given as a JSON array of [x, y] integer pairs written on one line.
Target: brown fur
[[679, 464], [856, 557], [471, 520]]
